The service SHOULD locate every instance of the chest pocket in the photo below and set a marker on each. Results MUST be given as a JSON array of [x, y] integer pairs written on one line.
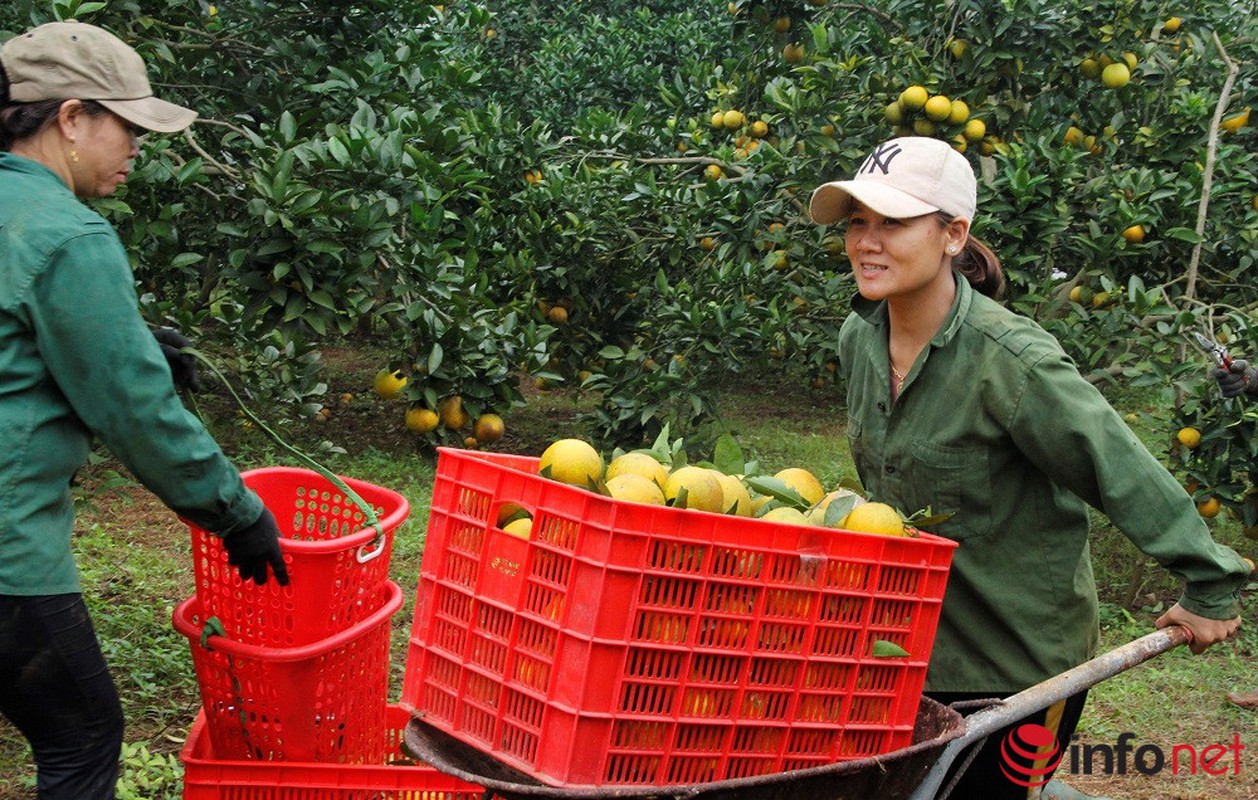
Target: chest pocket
[[956, 480]]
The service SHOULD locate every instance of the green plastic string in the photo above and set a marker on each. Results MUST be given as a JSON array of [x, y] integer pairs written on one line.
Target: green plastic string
[[306, 460]]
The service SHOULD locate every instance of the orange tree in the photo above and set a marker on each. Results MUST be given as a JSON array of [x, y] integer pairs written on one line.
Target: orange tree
[[614, 194]]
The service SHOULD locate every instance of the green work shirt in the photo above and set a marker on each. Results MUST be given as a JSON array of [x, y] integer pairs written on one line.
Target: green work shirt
[[77, 360], [995, 425]]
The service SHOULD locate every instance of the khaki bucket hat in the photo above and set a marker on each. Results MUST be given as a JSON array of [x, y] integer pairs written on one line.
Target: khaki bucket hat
[[76, 61]]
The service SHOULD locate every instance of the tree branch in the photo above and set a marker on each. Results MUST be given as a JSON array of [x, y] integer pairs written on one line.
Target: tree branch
[[1207, 177], [192, 142]]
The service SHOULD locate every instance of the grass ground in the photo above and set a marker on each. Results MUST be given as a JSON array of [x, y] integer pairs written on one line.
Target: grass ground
[[136, 565]]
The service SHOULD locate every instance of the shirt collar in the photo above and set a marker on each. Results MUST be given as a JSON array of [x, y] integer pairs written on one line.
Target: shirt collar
[[30, 167], [875, 312]]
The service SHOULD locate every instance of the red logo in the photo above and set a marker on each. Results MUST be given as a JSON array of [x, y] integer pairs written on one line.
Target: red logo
[[1023, 748]]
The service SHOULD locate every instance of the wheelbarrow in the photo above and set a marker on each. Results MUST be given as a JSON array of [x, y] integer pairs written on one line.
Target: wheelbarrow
[[916, 772]]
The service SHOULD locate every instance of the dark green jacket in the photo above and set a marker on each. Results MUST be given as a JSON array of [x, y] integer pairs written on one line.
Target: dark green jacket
[[995, 425], [77, 360]]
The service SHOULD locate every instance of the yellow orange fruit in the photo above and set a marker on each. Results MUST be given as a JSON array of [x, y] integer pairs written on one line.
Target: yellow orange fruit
[[937, 108], [1234, 123], [388, 382], [718, 119], [877, 518], [1116, 75], [1172, 25], [803, 482], [635, 489], [975, 130], [713, 172], [421, 420], [782, 24], [558, 315], [785, 514], [735, 499], [914, 97], [452, 414], [521, 527], [695, 488], [1073, 136], [894, 113], [488, 428], [959, 112], [1189, 437], [734, 119], [572, 461], [1209, 508], [793, 53], [640, 464], [1134, 234], [1090, 68], [759, 129]]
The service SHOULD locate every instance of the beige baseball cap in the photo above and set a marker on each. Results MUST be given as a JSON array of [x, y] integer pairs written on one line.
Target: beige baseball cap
[[76, 61], [903, 178]]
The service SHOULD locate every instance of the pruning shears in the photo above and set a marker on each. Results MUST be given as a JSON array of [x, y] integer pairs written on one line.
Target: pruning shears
[[1211, 348]]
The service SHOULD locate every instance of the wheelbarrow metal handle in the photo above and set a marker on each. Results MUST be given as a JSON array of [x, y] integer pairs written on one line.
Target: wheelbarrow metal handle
[[982, 723]]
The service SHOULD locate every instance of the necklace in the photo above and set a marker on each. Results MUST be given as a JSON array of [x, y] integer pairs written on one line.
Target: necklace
[[895, 373]]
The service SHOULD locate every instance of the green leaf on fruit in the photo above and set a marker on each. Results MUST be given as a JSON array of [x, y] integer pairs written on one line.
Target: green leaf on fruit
[[884, 649], [727, 456], [778, 489], [838, 510]]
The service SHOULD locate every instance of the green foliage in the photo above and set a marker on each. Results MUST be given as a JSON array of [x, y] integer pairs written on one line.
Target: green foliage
[[1225, 464], [146, 775]]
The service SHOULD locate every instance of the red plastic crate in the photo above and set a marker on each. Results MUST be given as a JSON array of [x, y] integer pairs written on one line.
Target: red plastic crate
[[630, 644], [335, 566], [388, 776], [318, 702]]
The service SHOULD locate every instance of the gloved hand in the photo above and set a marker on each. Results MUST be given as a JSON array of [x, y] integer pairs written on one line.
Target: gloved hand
[[1240, 378], [183, 367], [250, 550]]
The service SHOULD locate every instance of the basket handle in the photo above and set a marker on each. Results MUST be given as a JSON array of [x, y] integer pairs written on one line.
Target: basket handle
[[368, 512], [363, 555]]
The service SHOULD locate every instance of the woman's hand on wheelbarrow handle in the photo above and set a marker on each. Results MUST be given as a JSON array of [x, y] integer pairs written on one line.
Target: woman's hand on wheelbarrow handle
[[1202, 631]]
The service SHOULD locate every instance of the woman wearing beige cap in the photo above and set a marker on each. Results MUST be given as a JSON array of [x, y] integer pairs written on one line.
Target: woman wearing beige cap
[[958, 404], [76, 362]]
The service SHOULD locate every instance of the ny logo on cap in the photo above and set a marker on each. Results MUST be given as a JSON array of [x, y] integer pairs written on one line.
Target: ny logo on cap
[[881, 158]]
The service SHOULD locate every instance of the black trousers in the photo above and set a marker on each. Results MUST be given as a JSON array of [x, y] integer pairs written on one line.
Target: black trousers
[[56, 689], [986, 777]]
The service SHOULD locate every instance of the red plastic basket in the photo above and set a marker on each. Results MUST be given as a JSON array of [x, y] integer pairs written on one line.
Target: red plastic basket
[[636, 644], [318, 702], [336, 567], [387, 776]]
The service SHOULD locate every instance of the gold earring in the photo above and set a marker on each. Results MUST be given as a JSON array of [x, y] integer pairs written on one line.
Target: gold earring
[[74, 154]]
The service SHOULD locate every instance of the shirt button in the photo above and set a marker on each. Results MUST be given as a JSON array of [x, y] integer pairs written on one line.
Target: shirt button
[[889, 469]]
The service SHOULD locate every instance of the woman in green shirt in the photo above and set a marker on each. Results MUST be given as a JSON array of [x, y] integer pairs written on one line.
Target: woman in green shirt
[[956, 403], [77, 362]]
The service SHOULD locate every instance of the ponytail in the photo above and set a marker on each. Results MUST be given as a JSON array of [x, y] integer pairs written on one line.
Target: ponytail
[[977, 263], [981, 267]]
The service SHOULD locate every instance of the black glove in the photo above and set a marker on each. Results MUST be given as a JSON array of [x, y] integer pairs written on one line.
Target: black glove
[[1240, 378], [183, 367], [251, 549]]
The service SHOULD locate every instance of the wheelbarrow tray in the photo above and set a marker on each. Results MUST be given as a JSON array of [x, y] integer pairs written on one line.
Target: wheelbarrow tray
[[916, 772], [891, 775]]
